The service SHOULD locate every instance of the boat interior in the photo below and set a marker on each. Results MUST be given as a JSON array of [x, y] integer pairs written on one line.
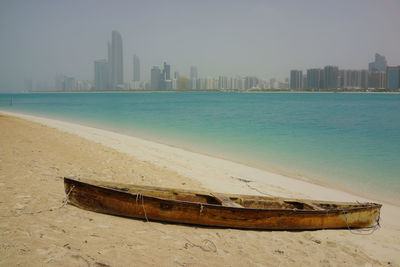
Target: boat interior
[[228, 200]]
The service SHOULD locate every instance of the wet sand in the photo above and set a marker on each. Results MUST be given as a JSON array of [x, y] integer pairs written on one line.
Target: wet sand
[[37, 228]]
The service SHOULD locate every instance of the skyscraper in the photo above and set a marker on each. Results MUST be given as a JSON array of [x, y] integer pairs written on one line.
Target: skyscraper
[[250, 82], [167, 71], [364, 79], [379, 64], [350, 79], [377, 79], [331, 74], [222, 82], [101, 75], [155, 78], [115, 61], [109, 56], [193, 77], [393, 77], [296, 79], [166, 83], [313, 78], [136, 68]]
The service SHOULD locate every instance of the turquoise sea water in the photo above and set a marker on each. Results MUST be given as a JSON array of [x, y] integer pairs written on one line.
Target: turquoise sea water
[[349, 140]]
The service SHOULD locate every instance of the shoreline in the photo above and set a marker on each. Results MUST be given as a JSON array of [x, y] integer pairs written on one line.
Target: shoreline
[[37, 229], [210, 91], [289, 184], [294, 180]]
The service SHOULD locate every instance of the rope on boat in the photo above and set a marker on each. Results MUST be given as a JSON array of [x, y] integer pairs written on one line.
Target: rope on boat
[[140, 196], [365, 231], [65, 202]]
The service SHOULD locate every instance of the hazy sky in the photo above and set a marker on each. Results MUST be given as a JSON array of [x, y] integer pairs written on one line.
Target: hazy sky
[[39, 39]]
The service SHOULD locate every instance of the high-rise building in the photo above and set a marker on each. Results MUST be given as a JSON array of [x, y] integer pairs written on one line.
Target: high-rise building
[[250, 82], [136, 68], [115, 61], [155, 78], [101, 75], [377, 79], [342, 78], [364, 79], [193, 72], [331, 75], [167, 71], [165, 79], [350, 79], [193, 77], [208, 83], [175, 80], [296, 79], [393, 78], [379, 64], [109, 56], [314, 78], [304, 84]]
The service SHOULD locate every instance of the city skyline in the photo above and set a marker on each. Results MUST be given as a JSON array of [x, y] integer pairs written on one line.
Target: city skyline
[[327, 78], [379, 76], [108, 76], [43, 38]]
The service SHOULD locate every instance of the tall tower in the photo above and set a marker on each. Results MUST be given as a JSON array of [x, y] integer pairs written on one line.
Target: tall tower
[[296, 79], [331, 74], [379, 64], [115, 60], [167, 71], [155, 78], [109, 58], [193, 77], [100, 75], [136, 68], [393, 77], [165, 82], [313, 78]]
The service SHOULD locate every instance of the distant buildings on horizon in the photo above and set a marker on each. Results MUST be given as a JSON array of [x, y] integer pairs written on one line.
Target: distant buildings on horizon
[[109, 75], [379, 76]]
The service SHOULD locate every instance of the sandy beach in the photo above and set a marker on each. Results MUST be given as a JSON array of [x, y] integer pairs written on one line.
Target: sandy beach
[[37, 227]]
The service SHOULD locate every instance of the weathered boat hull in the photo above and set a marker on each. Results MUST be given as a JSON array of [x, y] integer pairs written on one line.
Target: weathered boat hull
[[135, 202]]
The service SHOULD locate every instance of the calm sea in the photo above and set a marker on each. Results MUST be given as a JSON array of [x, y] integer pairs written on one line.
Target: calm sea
[[350, 140]]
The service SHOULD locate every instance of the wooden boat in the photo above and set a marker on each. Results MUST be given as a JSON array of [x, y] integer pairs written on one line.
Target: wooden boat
[[216, 209]]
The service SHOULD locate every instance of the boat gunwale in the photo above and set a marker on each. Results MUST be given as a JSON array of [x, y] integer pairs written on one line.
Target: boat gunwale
[[368, 205]]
